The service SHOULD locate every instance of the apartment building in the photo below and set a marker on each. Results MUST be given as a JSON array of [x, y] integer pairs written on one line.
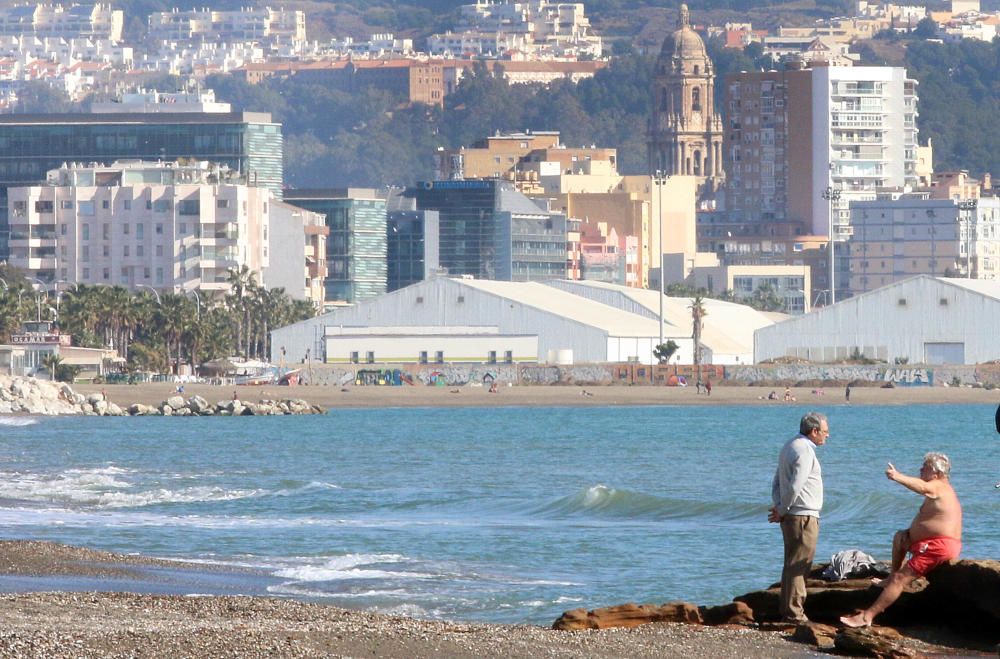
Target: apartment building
[[802, 144], [900, 235], [166, 226], [509, 154], [33, 144], [86, 21], [244, 24]]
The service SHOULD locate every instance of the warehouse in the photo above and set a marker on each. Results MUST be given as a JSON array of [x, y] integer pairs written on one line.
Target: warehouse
[[921, 320]]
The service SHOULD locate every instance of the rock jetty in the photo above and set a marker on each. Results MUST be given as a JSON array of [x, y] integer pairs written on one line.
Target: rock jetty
[[42, 397], [959, 601]]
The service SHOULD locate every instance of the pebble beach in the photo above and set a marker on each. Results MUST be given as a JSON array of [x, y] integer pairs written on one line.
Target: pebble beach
[[144, 625]]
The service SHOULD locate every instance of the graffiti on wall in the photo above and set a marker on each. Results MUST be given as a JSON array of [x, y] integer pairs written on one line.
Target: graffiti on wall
[[897, 375], [382, 377]]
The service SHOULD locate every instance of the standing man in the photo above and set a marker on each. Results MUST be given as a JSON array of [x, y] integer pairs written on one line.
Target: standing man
[[797, 498], [934, 536]]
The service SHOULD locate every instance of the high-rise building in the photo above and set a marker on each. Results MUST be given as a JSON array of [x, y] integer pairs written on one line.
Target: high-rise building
[[412, 241], [356, 247], [31, 145], [490, 231], [685, 132], [71, 21], [802, 144]]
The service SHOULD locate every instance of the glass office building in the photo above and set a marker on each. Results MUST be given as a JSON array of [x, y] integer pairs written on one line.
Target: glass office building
[[412, 241], [490, 231], [356, 247], [31, 145]]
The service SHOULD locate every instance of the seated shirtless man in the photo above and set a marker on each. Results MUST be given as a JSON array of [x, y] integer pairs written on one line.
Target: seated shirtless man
[[934, 536]]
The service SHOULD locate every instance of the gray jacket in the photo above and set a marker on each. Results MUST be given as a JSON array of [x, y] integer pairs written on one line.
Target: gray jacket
[[797, 488]]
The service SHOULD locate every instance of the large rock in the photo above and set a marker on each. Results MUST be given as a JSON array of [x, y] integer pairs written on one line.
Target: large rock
[[627, 615], [176, 402], [197, 405], [734, 613]]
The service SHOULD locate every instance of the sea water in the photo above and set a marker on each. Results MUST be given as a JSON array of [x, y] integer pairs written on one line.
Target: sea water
[[483, 514]]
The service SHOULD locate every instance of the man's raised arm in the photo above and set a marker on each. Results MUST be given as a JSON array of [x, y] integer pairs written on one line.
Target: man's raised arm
[[918, 485]]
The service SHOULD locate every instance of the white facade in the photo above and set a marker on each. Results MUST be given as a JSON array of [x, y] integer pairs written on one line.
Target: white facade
[[97, 21], [864, 136], [925, 320], [159, 225], [427, 345], [244, 24], [562, 322]]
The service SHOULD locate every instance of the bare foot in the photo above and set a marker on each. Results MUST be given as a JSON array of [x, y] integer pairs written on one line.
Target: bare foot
[[856, 621]]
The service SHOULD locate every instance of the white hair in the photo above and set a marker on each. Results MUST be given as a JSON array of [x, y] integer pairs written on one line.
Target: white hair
[[939, 462]]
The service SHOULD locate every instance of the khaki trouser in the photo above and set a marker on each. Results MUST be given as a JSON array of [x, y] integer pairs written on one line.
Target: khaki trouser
[[800, 534]]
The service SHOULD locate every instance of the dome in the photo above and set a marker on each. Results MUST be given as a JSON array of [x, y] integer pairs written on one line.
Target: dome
[[684, 43]]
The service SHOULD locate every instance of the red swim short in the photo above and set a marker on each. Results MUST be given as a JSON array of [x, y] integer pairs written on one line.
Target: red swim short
[[927, 554]]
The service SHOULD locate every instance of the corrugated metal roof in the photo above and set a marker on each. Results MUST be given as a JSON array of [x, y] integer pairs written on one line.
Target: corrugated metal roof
[[572, 307]]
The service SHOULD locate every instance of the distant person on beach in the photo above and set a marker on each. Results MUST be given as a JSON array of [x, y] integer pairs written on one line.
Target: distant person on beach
[[847, 393], [698, 385], [934, 536], [708, 387], [797, 498], [773, 395]]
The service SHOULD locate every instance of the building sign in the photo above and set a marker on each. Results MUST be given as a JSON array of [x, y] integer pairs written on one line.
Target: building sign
[[41, 339]]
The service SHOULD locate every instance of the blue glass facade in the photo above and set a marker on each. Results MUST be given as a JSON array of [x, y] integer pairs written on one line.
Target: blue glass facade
[[356, 247]]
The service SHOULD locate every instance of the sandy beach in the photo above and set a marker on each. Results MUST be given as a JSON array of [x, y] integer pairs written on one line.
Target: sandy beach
[[545, 396], [47, 624]]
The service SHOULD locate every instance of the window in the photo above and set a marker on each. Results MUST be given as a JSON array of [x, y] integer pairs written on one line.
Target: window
[[222, 203], [139, 251], [127, 204], [138, 232], [183, 228], [159, 250], [161, 206], [85, 253], [66, 204], [423, 357], [189, 207], [370, 357], [439, 357], [106, 274], [492, 357], [62, 229], [124, 275], [508, 357], [85, 231], [86, 273], [159, 229], [125, 251], [105, 204], [125, 229], [145, 273], [105, 251], [85, 208], [159, 275], [354, 357], [106, 231], [44, 207]]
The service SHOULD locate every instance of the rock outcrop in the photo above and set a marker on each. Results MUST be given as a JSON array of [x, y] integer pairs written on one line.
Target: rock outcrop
[[32, 396], [962, 597]]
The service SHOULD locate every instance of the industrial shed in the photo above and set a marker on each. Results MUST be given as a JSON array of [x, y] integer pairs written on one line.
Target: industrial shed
[[599, 323], [924, 320], [728, 328], [563, 323]]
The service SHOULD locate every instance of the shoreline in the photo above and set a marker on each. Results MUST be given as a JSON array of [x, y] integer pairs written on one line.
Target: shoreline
[[351, 396], [106, 624]]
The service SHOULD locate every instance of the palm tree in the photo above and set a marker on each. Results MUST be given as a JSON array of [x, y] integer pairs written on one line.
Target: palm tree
[[242, 281], [51, 363], [698, 314]]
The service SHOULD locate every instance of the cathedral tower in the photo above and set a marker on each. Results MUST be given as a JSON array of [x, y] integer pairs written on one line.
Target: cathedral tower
[[685, 133]]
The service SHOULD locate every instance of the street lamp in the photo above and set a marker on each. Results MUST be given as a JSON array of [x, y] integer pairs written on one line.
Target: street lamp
[[832, 196], [660, 178], [38, 297], [155, 294]]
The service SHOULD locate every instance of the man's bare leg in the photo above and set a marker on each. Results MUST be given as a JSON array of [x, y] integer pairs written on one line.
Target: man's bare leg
[[891, 591], [900, 545]]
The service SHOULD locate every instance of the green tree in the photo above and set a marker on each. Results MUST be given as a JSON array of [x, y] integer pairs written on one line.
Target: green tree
[[665, 351]]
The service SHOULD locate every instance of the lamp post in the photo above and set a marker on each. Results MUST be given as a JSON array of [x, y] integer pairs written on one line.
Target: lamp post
[[832, 196], [660, 178], [38, 297], [155, 293]]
